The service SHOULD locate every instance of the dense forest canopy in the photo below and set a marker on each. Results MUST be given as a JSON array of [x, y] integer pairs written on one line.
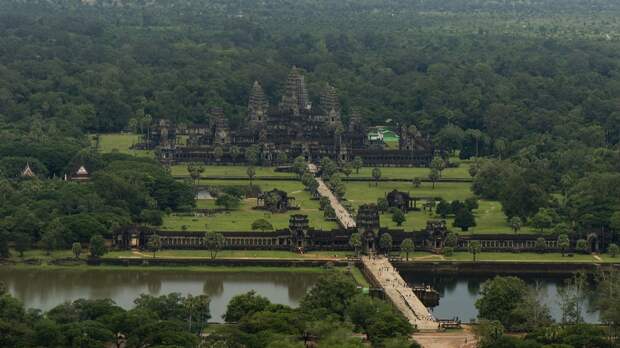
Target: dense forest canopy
[[534, 84], [426, 62]]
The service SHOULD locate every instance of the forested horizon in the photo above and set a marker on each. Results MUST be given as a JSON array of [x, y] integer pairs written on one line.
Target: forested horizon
[[503, 67]]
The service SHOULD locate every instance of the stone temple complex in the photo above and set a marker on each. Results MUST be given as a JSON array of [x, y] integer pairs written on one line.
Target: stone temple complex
[[290, 129]]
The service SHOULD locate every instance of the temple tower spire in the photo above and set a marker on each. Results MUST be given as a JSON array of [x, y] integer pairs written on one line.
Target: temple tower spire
[[329, 99], [221, 130], [257, 105], [331, 106], [296, 95]]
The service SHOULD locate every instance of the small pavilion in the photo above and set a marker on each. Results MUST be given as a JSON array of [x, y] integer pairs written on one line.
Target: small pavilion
[[27, 172], [81, 175]]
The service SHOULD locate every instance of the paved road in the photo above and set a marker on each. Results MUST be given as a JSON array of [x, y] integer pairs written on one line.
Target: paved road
[[401, 295], [343, 216]]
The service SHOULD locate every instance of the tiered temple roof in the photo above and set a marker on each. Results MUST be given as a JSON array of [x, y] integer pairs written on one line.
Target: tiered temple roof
[[27, 172], [258, 100], [329, 99], [296, 95]]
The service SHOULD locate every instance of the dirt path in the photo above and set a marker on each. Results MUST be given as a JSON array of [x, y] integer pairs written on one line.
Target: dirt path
[[431, 257], [459, 339]]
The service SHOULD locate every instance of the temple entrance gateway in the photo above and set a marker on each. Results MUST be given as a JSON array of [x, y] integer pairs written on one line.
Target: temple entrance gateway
[[593, 243]]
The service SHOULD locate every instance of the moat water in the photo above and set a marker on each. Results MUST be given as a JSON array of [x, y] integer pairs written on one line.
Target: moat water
[[459, 292], [45, 289]]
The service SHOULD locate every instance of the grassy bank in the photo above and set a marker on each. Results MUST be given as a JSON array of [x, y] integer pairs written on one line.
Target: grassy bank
[[460, 172], [241, 219], [328, 255], [489, 216], [211, 269], [524, 257], [241, 171], [239, 254], [121, 142]]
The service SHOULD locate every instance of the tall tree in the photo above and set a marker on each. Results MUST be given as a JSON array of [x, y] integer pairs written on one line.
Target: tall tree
[[474, 248], [385, 242], [516, 224], [407, 246], [218, 153], [251, 173], [499, 298], [154, 243], [438, 164], [464, 219], [76, 249], [252, 154], [214, 242], [299, 165], [433, 176], [97, 246], [376, 175], [358, 163], [398, 217], [355, 241], [563, 243], [23, 243]]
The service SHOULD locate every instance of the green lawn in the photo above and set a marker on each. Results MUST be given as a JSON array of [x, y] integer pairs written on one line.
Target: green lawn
[[210, 170], [489, 215], [281, 254], [41, 254], [275, 254], [290, 186], [242, 218], [121, 142], [368, 192], [460, 172], [523, 257]]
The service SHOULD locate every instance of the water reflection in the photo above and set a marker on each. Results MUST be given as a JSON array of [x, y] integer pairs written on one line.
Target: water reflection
[[46, 289], [459, 292]]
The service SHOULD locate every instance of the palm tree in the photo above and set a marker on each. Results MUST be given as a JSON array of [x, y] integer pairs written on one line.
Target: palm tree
[[355, 241], [474, 248], [251, 172], [407, 246]]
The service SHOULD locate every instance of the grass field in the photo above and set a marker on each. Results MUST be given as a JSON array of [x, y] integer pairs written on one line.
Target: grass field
[[518, 257], [280, 254], [267, 254], [181, 170], [489, 215], [460, 172], [121, 142], [241, 219], [368, 192]]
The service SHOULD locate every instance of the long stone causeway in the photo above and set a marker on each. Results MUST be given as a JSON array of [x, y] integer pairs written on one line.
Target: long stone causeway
[[384, 275], [343, 216]]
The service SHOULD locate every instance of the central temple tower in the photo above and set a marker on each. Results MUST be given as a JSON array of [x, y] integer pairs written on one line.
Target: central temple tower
[[296, 95]]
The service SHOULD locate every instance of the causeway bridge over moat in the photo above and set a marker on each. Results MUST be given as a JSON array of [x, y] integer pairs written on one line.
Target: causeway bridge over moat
[[382, 274]]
